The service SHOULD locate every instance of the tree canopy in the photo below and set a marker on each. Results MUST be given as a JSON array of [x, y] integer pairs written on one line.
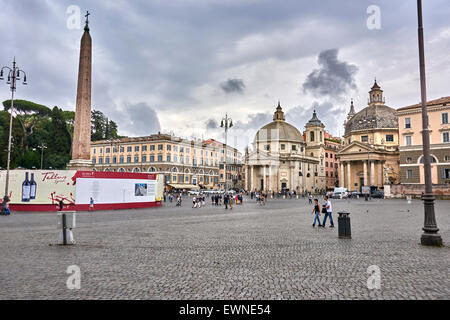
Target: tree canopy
[[36, 125]]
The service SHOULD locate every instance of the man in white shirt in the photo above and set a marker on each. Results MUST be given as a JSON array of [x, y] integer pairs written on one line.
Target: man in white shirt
[[328, 213]]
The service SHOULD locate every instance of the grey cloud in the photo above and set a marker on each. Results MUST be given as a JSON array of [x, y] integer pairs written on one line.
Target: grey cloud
[[254, 121], [233, 85], [211, 124], [143, 119], [333, 79]]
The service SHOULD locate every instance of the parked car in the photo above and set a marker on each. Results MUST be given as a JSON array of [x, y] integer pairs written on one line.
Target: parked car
[[378, 194], [340, 195]]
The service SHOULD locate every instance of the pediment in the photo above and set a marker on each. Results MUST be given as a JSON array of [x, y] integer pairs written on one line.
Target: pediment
[[355, 147]]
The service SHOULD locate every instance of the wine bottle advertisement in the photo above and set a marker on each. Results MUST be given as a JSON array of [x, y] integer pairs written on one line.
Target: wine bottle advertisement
[[40, 186]]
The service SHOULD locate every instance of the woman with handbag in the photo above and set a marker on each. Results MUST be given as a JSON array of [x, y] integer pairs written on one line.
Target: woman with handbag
[[316, 212]]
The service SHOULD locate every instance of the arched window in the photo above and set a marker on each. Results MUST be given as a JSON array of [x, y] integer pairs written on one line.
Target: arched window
[[174, 169], [432, 159], [187, 170], [121, 170], [135, 170], [152, 169]]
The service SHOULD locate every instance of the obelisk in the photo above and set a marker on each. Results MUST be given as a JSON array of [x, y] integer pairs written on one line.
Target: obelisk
[[81, 143]]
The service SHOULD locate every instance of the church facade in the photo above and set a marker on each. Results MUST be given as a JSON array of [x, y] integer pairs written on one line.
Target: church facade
[[370, 156], [282, 160]]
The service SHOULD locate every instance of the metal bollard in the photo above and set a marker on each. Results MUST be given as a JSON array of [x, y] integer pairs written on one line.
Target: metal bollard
[[344, 229], [64, 226]]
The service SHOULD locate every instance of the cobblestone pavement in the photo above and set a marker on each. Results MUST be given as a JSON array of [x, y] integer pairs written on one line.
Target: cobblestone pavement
[[251, 252]]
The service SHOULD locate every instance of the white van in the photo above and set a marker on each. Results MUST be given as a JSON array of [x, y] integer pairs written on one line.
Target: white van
[[339, 193]]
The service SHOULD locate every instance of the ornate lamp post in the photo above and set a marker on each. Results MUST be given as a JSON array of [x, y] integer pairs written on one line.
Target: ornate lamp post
[[14, 74], [226, 123], [430, 236]]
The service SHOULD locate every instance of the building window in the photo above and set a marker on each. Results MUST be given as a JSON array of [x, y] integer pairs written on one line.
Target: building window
[[389, 138], [144, 148], [408, 140], [122, 149], [311, 136], [175, 159], [446, 136], [160, 158], [107, 160], [152, 147], [267, 147], [409, 174], [169, 158], [136, 158], [128, 159], [114, 159], [407, 123], [121, 159], [136, 148], [100, 160], [93, 161], [409, 160], [445, 118], [129, 149], [326, 154], [364, 138], [294, 147], [446, 173], [283, 147], [160, 146], [447, 158], [144, 158], [94, 150], [152, 158]]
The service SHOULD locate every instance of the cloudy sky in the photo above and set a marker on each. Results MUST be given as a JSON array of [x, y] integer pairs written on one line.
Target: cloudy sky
[[177, 66]]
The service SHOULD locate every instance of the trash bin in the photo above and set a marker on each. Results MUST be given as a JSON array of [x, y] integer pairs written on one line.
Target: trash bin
[[344, 229]]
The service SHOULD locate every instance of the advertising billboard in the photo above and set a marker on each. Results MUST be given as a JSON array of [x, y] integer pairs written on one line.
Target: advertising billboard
[[40, 186], [42, 190]]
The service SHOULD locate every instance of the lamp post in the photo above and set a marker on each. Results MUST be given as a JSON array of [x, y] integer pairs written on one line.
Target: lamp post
[[13, 75], [226, 123], [42, 147], [430, 235]]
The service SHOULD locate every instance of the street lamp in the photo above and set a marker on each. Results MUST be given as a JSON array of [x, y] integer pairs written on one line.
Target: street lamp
[[226, 123], [430, 235], [13, 75], [42, 147]]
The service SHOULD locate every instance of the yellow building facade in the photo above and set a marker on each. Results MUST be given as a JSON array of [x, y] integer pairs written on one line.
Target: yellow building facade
[[186, 164]]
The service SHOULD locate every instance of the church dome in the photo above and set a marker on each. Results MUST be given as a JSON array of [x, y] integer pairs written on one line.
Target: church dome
[[285, 131], [372, 117]]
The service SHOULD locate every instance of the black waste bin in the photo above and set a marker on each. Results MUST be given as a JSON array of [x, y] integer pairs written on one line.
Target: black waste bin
[[344, 230]]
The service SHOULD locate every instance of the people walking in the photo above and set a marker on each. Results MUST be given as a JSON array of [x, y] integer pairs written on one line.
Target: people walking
[[328, 211], [316, 212], [310, 198], [225, 201]]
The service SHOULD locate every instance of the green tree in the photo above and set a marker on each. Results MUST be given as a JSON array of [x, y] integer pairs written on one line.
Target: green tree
[[17, 136], [28, 114]]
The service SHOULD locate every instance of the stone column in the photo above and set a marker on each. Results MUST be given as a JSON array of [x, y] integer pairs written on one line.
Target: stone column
[[381, 173], [342, 175], [349, 176], [372, 172], [365, 172], [270, 177], [264, 178], [251, 178]]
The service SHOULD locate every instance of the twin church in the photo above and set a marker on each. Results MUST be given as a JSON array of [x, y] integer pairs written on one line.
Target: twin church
[[283, 158]]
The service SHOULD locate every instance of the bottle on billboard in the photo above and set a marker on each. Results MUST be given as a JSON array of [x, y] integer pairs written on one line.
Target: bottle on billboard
[[26, 188], [33, 187]]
